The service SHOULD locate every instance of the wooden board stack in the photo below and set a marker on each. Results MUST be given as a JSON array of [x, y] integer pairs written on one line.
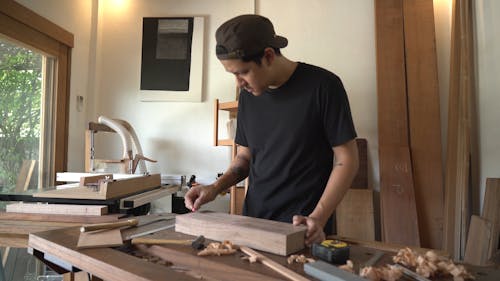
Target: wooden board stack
[[265, 235]]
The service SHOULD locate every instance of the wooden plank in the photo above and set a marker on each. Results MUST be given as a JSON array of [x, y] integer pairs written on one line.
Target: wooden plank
[[399, 212], [476, 251], [57, 209], [458, 149], [210, 269], [391, 74], [59, 218], [105, 263], [265, 235], [361, 178], [94, 180], [355, 216], [148, 196], [100, 238], [491, 212], [107, 190], [424, 119]]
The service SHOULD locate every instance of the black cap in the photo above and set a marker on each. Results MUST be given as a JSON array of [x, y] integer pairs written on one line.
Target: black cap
[[246, 35]]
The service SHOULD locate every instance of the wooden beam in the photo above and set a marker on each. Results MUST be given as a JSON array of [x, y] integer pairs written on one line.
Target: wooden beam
[[476, 251], [397, 198], [458, 156], [355, 215], [424, 119], [491, 212], [58, 209], [207, 268], [277, 237]]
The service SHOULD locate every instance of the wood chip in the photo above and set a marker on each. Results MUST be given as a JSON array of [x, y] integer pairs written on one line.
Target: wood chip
[[218, 249]]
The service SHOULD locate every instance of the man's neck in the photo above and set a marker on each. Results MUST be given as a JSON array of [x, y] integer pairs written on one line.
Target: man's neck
[[284, 69]]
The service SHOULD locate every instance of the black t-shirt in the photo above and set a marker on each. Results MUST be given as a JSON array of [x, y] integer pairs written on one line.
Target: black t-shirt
[[290, 132]]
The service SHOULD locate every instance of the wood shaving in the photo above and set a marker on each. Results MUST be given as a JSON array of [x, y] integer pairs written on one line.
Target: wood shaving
[[299, 259], [348, 266], [218, 249], [251, 259], [387, 273], [431, 264]]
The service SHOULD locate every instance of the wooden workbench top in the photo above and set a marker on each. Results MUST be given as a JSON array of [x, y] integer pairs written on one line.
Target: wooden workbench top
[[178, 262]]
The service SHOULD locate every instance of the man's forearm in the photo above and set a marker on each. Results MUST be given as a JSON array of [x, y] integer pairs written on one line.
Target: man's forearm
[[237, 171], [343, 172]]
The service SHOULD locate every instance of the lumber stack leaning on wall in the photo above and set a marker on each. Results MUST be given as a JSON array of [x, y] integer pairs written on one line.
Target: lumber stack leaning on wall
[[461, 155], [397, 226], [411, 185]]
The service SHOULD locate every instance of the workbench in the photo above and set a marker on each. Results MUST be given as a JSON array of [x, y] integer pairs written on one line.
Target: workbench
[[58, 249]]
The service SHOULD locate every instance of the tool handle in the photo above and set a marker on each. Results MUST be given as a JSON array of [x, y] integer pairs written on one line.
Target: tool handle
[[108, 225], [154, 241]]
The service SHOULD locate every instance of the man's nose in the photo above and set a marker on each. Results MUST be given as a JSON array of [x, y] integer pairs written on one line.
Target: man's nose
[[240, 81]]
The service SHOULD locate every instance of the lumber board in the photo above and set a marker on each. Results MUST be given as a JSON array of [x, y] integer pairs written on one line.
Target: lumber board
[[105, 263], [399, 212], [271, 236], [491, 212], [94, 180], [210, 269], [355, 215], [147, 197], [107, 190], [476, 250], [100, 238], [391, 73], [424, 119], [57, 209], [59, 218], [458, 156]]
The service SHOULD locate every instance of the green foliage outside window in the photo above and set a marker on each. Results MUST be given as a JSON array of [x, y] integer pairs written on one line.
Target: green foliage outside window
[[20, 109]]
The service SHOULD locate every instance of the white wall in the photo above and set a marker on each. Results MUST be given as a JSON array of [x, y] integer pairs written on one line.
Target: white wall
[[335, 34], [339, 36], [488, 86]]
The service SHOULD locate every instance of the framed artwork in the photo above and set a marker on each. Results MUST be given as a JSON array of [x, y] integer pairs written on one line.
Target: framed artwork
[[172, 59]]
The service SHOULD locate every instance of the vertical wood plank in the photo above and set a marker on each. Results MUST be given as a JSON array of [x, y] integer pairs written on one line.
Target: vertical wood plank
[[398, 210], [391, 73], [458, 156], [491, 212], [476, 251], [397, 197], [355, 216], [424, 119]]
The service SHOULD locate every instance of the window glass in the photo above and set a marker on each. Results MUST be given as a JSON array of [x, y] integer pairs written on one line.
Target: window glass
[[26, 93]]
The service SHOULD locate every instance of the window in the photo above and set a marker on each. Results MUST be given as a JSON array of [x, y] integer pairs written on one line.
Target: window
[[34, 68]]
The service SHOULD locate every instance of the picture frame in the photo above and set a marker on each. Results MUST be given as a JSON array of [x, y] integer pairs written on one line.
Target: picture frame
[[172, 59]]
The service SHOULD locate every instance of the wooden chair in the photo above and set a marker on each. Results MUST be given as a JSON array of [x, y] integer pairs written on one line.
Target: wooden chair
[[24, 176]]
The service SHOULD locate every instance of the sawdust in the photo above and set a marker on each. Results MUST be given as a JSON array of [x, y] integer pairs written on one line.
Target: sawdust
[[218, 249]]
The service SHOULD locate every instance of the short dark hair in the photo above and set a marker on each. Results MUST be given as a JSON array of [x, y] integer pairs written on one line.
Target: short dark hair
[[257, 58]]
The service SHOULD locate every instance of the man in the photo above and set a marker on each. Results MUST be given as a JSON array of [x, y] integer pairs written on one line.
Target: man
[[292, 119]]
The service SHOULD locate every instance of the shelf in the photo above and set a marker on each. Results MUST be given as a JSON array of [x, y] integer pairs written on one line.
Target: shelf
[[231, 106], [225, 142]]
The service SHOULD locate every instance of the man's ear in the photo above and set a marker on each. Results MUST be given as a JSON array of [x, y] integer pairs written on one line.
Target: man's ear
[[269, 55]]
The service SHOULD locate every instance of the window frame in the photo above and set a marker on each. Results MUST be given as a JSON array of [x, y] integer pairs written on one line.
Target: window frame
[[27, 27]]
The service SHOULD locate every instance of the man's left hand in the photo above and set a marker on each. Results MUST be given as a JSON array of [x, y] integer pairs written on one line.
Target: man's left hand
[[314, 233]]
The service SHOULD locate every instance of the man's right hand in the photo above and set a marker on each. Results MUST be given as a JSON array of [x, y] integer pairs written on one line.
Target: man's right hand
[[199, 195]]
